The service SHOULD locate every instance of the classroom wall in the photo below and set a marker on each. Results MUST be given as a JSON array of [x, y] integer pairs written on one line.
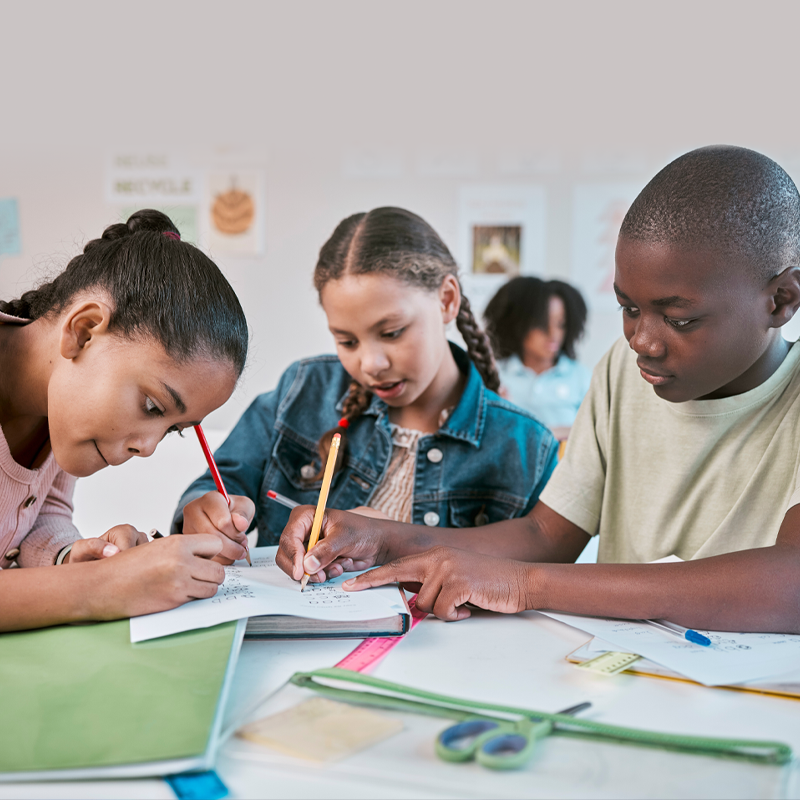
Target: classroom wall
[[341, 107]]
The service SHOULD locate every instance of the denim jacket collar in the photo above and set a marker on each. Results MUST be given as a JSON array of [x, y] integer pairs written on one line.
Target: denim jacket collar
[[469, 416]]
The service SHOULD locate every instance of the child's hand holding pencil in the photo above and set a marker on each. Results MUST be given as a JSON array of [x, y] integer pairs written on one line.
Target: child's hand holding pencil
[[316, 525], [211, 514], [218, 513]]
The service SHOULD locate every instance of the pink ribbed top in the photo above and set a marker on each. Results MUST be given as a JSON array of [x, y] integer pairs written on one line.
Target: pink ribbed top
[[35, 505]]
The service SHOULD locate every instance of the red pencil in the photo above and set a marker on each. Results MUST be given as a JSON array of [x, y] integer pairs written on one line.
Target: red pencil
[[217, 477]]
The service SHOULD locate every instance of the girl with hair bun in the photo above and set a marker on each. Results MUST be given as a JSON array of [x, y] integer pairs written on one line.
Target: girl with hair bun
[[425, 437], [139, 336]]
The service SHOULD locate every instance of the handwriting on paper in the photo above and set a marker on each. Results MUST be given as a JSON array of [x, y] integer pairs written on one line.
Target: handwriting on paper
[[265, 589]]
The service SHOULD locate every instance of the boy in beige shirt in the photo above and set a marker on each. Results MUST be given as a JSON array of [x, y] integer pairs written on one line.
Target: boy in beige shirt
[[687, 443]]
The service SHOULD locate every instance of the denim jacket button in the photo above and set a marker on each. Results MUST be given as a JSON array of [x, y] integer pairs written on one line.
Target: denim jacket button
[[431, 519], [435, 455], [307, 471]]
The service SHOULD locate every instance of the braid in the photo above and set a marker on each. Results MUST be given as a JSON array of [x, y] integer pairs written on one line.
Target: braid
[[21, 307], [478, 346], [356, 402]]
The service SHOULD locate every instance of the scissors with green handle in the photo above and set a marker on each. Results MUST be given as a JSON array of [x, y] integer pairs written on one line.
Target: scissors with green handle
[[495, 744]]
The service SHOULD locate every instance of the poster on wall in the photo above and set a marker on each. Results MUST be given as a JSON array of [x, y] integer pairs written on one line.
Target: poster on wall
[[151, 179], [598, 211], [10, 244], [501, 235], [235, 212]]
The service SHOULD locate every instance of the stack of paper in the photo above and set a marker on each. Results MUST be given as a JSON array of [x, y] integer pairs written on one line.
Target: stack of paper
[[732, 658]]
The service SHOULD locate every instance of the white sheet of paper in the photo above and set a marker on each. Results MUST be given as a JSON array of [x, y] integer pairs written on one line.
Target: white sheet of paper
[[265, 589], [732, 657], [788, 680]]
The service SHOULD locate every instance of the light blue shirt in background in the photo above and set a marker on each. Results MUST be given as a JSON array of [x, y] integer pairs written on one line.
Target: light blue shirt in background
[[552, 396]]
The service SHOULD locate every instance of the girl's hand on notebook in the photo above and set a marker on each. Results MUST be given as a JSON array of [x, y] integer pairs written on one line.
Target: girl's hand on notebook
[[351, 542], [446, 579], [211, 514], [167, 573], [120, 537]]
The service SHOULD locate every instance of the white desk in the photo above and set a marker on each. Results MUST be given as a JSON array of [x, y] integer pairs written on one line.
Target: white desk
[[517, 660]]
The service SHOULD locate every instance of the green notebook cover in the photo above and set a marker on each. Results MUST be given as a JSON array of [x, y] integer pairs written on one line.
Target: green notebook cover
[[82, 697]]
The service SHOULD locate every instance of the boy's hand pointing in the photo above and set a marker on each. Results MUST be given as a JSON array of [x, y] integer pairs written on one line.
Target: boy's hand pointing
[[446, 579]]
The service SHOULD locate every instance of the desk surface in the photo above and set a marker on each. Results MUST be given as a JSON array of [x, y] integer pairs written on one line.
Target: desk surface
[[517, 660]]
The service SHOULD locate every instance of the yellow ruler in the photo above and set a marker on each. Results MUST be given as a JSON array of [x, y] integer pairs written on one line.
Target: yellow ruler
[[609, 663]]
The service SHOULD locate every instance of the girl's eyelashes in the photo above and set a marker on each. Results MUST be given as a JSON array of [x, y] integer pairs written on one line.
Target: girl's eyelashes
[[346, 343], [151, 408], [629, 311]]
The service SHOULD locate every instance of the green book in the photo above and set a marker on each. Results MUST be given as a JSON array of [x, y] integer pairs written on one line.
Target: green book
[[81, 701]]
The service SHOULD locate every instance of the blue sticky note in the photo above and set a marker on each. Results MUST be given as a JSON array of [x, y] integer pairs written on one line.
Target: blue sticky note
[[197, 786], [9, 227]]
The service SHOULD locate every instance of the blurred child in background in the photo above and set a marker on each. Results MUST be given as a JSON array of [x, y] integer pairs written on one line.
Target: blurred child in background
[[533, 325]]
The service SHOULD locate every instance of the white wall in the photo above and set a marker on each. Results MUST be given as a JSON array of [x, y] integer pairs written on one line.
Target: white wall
[[438, 95]]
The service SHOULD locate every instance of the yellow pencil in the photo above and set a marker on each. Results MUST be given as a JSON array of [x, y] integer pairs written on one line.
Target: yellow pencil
[[316, 526]]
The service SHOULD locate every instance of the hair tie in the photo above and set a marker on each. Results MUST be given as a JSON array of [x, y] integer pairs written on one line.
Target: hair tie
[[172, 235], [344, 422]]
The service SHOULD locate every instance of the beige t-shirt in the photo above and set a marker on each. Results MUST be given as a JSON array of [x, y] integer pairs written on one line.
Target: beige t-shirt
[[692, 479]]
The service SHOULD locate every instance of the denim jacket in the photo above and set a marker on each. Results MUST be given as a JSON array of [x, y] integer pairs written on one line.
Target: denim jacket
[[488, 462]]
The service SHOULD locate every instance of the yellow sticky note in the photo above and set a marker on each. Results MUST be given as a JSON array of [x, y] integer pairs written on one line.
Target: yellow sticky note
[[321, 730]]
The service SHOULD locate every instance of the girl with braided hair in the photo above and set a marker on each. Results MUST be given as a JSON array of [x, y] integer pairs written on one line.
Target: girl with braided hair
[[139, 336], [425, 437]]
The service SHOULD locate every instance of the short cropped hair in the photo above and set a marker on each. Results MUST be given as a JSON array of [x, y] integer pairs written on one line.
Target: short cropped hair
[[724, 198], [523, 304]]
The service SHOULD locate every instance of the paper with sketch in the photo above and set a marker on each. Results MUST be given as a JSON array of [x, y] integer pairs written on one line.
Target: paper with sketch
[[265, 589], [731, 658]]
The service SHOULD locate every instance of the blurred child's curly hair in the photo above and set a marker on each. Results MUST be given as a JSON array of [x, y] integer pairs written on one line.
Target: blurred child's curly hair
[[522, 305], [726, 198]]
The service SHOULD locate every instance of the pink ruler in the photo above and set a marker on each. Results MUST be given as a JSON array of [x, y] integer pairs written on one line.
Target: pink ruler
[[371, 652]]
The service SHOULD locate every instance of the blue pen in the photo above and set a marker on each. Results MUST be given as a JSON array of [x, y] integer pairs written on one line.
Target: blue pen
[[678, 630]]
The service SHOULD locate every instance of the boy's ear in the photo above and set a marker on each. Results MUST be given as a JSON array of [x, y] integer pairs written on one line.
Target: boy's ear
[[785, 293], [83, 322], [449, 298]]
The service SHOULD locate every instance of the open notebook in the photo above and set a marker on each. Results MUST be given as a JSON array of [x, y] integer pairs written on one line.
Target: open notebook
[[82, 702], [278, 609]]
